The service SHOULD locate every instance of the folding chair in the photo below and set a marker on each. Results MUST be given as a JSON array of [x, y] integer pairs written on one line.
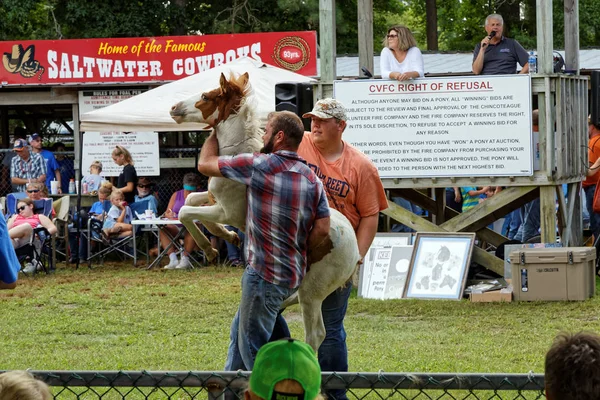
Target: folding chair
[[61, 220], [122, 247], [11, 203], [39, 247]]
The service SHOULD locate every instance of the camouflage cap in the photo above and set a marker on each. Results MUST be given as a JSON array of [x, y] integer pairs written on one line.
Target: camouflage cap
[[328, 108]]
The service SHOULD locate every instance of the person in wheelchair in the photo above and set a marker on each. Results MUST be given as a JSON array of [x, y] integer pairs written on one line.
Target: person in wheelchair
[[21, 225], [118, 220]]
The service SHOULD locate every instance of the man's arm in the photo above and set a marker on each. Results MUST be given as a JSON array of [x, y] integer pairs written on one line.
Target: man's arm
[[525, 69], [208, 163], [478, 61], [367, 228]]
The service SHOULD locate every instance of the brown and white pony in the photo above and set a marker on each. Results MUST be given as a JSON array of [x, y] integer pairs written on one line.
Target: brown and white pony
[[229, 110]]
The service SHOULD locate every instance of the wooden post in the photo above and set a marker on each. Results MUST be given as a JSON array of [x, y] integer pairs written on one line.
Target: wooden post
[[548, 214], [77, 139], [327, 45], [544, 36], [572, 35], [365, 35]]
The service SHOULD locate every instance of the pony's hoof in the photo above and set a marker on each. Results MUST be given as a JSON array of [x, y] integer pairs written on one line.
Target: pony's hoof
[[235, 239], [211, 255]]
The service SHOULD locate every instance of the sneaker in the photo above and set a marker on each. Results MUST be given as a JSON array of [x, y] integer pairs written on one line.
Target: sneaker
[[172, 264], [38, 265], [184, 264], [29, 268]]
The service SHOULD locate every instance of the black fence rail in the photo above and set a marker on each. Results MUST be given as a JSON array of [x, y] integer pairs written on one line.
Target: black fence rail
[[230, 385]]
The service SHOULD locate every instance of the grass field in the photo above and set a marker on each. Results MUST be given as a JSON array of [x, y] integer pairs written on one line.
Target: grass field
[[122, 318]]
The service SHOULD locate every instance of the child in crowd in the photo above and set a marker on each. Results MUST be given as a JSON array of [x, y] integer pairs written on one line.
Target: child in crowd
[[93, 180], [471, 195], [119, 217]]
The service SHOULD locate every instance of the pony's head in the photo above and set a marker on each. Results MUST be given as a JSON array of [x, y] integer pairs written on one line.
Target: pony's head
[[216, 105]]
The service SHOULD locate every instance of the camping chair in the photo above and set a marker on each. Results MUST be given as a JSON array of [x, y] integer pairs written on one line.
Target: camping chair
[[11, 203], [39, 247], [121, 246]]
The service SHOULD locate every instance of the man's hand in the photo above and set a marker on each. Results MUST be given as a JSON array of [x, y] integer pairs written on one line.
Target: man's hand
[[485, 42]]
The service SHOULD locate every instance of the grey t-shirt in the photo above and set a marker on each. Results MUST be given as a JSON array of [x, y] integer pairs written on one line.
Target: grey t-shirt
[[502, 58]]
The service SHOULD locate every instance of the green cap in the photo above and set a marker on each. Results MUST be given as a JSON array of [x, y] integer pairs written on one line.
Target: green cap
[[285, 359]]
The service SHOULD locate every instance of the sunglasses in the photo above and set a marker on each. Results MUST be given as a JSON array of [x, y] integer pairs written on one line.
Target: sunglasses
[[33, 191], [391, 36], [19, 209], [145, 186]]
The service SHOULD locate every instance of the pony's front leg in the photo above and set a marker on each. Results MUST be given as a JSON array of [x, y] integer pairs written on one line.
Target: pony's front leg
[[219, 230], [197, 199], [187, 216]]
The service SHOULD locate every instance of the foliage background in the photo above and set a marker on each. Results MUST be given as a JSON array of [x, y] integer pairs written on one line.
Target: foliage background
[[459, 27]]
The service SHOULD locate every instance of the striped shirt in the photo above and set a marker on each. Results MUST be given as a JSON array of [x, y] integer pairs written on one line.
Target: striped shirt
[[284, 199], [33, 168], [468, 201]]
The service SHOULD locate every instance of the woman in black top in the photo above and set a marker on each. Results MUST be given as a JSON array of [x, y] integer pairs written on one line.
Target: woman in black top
[[128, 178]]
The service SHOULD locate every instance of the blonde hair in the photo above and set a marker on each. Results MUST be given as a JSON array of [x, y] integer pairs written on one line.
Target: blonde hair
[[117, 194], [39, 186], [106, 188], [406, 40], [23, 386], [120, 150], [96, 164]]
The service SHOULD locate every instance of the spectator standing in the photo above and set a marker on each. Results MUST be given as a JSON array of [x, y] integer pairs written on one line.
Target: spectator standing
[[353, 187], [7, 185], [572, 367], [9, 268], [454, 199], [471, 196], [285, 369], [26, 166], [127, 180], [496, 54], [93, 179], [52, 167], [593, 175], [287, 210], [400, 59], [65, 164]]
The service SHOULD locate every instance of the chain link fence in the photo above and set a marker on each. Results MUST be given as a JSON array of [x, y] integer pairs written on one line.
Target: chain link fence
[[175, 163], [230, 385]]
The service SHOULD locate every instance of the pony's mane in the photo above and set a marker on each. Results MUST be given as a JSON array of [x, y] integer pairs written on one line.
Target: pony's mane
[[247, 107]]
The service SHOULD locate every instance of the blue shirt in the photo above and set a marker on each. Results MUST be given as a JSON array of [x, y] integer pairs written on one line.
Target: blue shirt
[[51, 166]]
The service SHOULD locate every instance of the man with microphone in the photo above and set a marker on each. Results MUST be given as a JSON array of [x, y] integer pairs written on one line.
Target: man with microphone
[[500, 54]]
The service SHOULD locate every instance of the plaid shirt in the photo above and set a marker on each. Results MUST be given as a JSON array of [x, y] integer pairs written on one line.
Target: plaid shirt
[[33, 168], [284, 199]]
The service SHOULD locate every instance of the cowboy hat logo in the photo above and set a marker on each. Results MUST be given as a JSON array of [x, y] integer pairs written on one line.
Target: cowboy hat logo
[[21, 61]]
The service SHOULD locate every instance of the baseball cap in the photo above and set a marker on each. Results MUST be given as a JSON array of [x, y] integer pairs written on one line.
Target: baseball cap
[[19, 145], [327, 108], [35, 136], [285, 359]]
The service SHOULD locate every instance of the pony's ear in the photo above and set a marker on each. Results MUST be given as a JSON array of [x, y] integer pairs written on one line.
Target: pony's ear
[[223, 82], [243, 81]]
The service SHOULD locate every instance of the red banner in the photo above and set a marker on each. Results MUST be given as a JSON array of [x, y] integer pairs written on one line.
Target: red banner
[[153, 59]]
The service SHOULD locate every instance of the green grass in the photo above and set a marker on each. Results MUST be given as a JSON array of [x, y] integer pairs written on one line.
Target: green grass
[[122, 318]]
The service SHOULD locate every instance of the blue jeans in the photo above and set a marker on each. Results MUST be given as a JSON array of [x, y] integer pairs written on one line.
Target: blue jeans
[[234, 252], [254, 320], [589, 204], [333, 353], [531, 221], [410, 207], [512, 222]]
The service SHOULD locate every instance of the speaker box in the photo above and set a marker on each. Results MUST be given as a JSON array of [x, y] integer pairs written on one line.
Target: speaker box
[[595, 98], [296, 97]]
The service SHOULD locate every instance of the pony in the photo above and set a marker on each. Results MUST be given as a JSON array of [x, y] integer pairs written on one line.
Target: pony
[[230, 111]]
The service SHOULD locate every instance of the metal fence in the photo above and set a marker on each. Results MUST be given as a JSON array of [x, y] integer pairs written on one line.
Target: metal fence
[[230, 385]]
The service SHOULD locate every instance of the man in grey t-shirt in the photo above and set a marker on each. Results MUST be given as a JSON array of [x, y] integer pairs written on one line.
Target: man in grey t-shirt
[[497, 54]]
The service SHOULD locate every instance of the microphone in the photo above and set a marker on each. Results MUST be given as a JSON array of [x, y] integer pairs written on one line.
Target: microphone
[[490, 36], [367, 73]]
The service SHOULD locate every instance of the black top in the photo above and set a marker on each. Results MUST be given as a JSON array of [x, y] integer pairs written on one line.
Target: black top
[[128, 175], [502, 58]]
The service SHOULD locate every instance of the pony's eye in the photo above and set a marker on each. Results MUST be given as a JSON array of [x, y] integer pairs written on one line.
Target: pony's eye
[[203, 97]]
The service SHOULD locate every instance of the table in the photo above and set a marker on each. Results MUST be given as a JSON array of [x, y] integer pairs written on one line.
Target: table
[[87, 200], [159, 224]]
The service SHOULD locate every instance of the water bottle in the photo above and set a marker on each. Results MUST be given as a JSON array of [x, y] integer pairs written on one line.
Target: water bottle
[[72, 186], [85, 188], [532, 63]]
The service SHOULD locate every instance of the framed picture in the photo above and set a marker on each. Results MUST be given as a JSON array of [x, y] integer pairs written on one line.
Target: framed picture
[[439, 265], [381, 241]]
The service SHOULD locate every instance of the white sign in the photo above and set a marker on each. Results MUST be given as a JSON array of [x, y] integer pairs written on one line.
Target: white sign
[[389, 272], [440, 127], [368, 277], [90, 100], [143, 147]]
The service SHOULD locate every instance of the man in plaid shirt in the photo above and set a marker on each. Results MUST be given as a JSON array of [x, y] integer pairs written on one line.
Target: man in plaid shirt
[[287, 211], [26, 166]]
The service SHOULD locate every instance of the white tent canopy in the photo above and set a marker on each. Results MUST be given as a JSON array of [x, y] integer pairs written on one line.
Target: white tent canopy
[[149, 111]]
